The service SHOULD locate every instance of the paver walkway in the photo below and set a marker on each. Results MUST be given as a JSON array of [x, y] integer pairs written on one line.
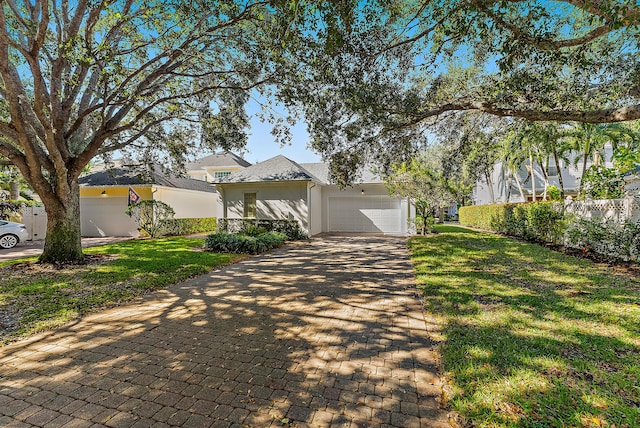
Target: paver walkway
[[328, 333]]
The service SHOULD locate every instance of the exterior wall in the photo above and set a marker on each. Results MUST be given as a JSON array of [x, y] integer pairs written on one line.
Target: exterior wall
[[315, 211], [370, 189], [188, 203], [279, 200], [143, 191], [104, 214], [207, 173], [571, 173]]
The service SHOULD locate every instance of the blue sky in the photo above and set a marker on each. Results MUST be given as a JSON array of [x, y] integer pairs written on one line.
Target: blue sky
[[262, 146]]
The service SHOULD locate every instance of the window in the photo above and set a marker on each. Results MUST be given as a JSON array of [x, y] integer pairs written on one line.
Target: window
[[220, 174], [250, 205], [552, 171]]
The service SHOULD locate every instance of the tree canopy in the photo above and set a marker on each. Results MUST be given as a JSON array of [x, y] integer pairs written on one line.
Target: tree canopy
[[84, 78], [397, 67]]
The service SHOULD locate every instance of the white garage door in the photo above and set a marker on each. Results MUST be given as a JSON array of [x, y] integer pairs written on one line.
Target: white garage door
[[379, 214], [104, 216]]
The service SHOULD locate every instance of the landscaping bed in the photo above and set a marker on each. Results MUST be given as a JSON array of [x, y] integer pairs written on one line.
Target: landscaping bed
[[530, 336], [36, 297]]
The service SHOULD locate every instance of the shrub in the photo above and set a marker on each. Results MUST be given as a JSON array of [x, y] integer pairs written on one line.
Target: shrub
[[224, 242], [151, 216], [537, 221], [554, 193], [188, 226], [605, 237], [290, 228], [252, 230]]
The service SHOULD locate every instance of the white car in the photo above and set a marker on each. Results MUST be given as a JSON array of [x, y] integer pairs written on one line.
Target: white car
[[11, 233]]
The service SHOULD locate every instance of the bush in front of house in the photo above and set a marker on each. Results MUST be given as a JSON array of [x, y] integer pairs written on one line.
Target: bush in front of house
[[224, 242], [252, 226], [189, 226]]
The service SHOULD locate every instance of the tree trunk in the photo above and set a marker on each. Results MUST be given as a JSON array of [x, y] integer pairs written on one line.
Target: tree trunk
[[487, 177], [584, 169], [557, 161], [509, 184], [63, 242], [533, 177], [524, 198], [546, 180], [14, 190]]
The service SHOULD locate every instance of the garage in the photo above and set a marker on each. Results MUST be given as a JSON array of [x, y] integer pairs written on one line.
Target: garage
[[366, 214], [104, 216]]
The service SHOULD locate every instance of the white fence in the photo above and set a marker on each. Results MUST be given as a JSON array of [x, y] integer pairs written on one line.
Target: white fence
[[35, 218], [621, 210]]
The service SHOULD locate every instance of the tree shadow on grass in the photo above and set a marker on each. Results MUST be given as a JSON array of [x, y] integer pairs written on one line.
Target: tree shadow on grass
[[329, 334], [533, 337]]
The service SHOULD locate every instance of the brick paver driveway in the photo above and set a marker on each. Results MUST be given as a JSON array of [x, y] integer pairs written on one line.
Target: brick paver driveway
[[328, 333]]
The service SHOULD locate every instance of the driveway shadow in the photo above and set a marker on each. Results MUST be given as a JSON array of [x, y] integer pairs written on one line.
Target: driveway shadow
[[328, 333]]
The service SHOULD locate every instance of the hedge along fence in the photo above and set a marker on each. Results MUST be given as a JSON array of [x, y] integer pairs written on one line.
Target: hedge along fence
[[188, 226], [290, 228], [546, 222], [536, 221]]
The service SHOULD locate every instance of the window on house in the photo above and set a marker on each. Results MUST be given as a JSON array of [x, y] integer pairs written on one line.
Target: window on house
[[552, 171], [221, 174], [250, 205]]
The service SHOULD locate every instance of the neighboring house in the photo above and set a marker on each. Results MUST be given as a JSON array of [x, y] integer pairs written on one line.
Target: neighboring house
[[104, 198], [503, 186], [632, 182], [214, 167], [281, 188]]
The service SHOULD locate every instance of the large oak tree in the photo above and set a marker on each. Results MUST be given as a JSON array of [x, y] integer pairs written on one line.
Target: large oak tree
[[87, 77], [399, 66]]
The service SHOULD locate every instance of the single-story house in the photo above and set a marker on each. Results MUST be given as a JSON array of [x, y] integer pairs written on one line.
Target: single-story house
[[104, 197], [281, 188]]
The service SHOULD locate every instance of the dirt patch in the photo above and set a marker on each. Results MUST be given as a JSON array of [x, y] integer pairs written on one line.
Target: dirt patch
[[36, 267]]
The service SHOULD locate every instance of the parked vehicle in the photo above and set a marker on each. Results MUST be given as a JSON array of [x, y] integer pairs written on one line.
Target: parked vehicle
[[12, 233]]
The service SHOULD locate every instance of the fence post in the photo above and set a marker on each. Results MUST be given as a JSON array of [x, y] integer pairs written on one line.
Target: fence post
[[628, 207]]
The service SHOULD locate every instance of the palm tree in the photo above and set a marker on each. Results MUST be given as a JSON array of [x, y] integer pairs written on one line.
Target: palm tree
[[590, 140]]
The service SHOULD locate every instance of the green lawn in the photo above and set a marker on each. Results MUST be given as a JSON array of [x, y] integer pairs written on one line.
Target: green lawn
[[37, 297], [531, 337]]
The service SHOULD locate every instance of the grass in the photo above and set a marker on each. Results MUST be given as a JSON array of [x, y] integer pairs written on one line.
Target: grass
[[531, 337], [39, 297]]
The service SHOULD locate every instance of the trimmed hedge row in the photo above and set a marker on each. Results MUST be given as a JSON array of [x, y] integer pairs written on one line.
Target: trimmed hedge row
[[223, 242], [535, 221], [247, 226], [188, 226], [545, 222]]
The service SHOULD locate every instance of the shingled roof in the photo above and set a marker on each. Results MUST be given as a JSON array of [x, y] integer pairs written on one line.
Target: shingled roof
[[278, 168], [218, 160], [134, 175], [281, 168]]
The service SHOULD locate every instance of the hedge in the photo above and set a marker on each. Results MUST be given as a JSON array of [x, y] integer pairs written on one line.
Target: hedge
[[224, 242], [606, 237], [535, 221], [248, 226], [188, 226]]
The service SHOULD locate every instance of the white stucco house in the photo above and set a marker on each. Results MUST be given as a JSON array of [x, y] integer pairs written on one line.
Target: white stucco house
[[502, 185], [280, 188], [104, 197]]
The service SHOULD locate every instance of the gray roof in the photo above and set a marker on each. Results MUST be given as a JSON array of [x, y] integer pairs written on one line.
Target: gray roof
[[218, 160], [281, 168], [135, 175], [278, 168]]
